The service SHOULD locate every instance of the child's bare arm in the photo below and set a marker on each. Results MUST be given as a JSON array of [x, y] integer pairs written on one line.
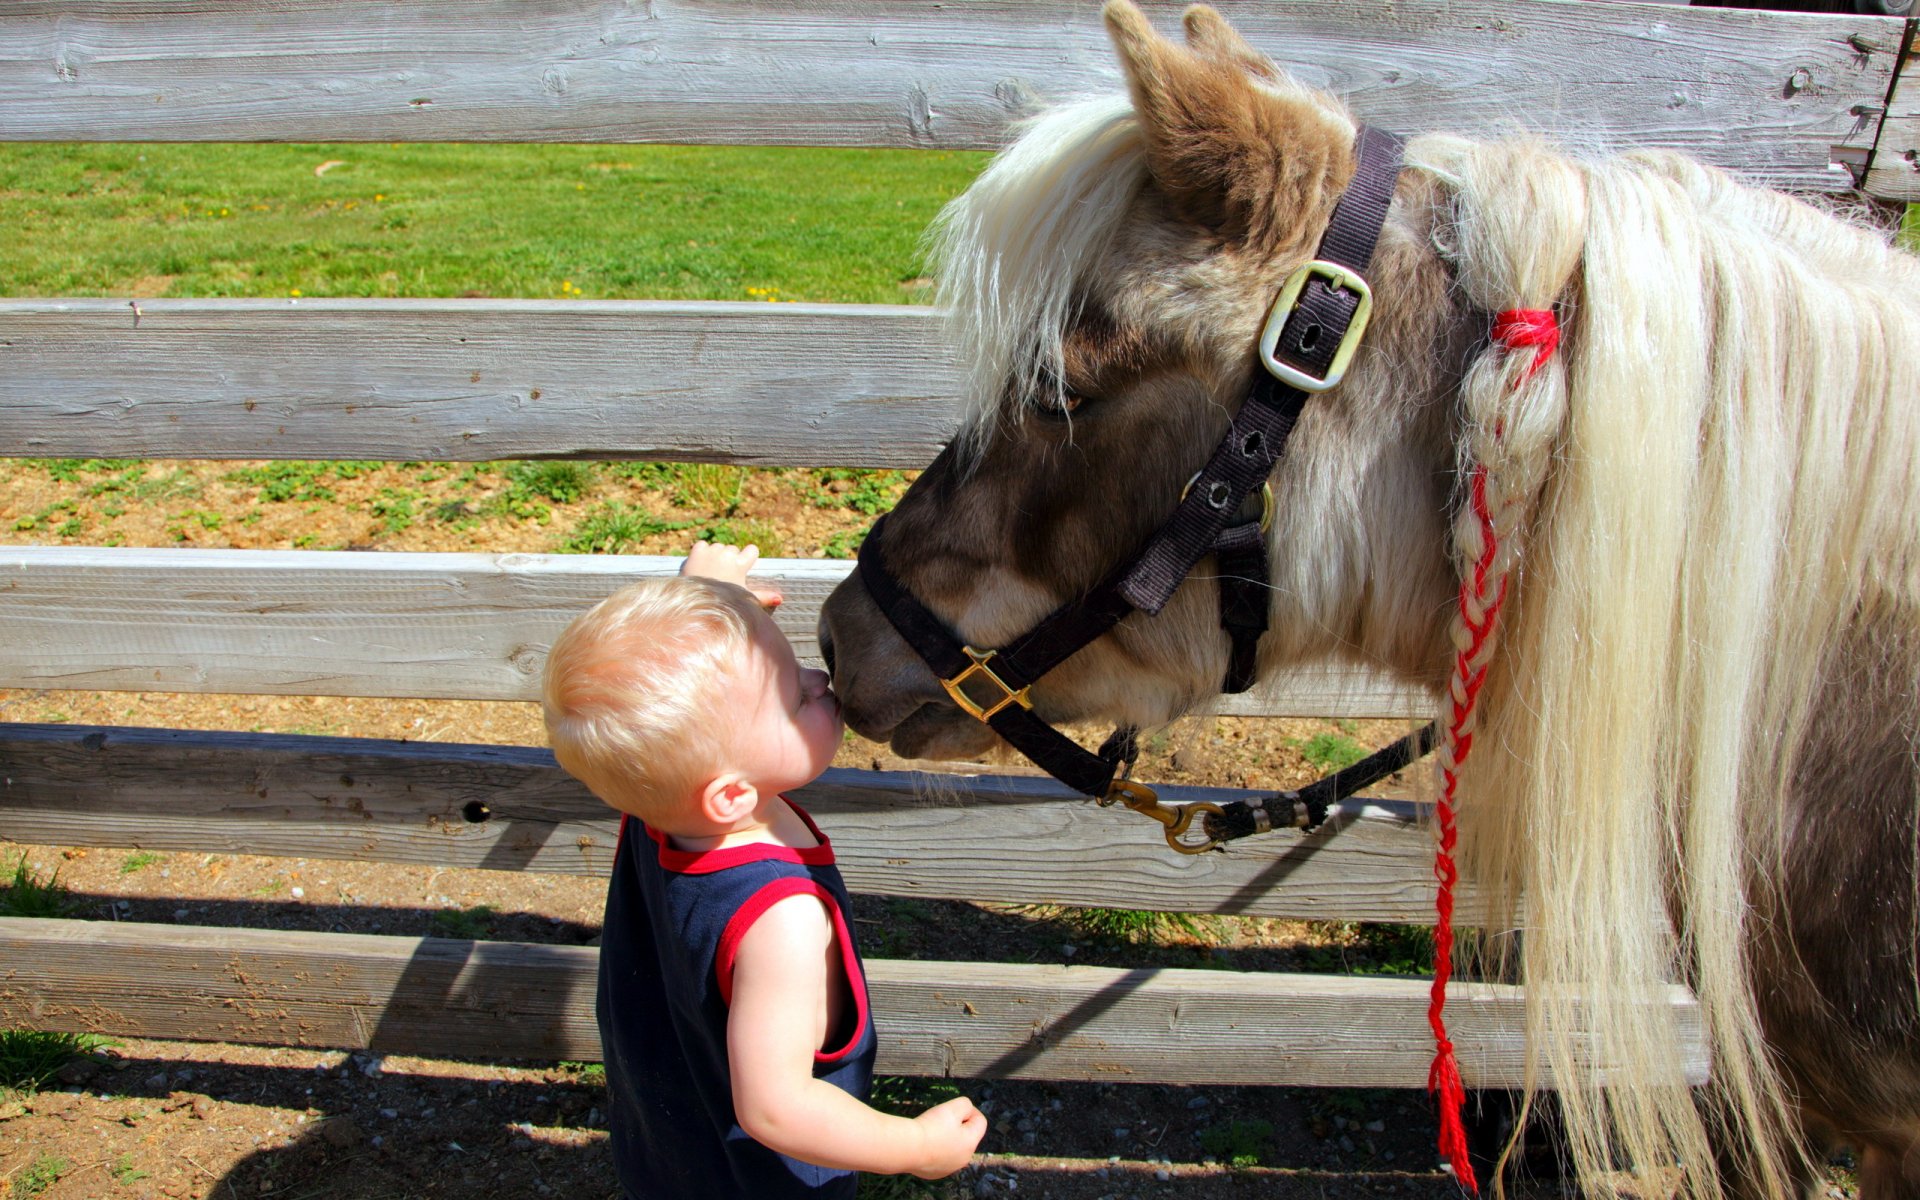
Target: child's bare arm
[[730, 564], [776, 1024]]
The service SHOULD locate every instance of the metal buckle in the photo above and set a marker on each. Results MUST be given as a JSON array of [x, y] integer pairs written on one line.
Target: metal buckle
[[1283, 308], [1177, 818], [972, 707]]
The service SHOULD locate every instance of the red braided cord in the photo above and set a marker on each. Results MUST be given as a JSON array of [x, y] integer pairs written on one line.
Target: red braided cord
[[1514, 329], [1534, 327]]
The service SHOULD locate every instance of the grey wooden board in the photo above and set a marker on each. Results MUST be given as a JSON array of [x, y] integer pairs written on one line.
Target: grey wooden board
[[446, 626], [1894, 172], [514, 1000], [905, 73], [435, 380], [1013, 839]]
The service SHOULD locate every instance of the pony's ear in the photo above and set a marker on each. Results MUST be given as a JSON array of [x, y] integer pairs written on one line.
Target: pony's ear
[[1211, 37], [1243, 158]]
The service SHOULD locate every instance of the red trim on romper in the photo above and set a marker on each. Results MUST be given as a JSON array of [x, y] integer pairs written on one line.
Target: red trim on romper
[[756, 907], [702, 862]]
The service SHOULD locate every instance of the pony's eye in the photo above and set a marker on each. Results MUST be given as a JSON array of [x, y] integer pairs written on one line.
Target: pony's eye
[[1058, 405]]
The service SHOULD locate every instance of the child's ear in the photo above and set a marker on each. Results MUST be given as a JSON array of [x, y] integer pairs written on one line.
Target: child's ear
[[728, 799]]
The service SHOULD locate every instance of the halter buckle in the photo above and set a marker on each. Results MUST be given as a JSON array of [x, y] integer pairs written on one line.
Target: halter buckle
[[983, 710], [1283, 308]]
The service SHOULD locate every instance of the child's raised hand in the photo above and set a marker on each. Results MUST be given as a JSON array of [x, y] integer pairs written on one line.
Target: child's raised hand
[[730, 564], [952, 1130]]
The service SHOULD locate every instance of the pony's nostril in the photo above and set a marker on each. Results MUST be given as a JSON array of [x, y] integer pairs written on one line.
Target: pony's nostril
[[826, 649]]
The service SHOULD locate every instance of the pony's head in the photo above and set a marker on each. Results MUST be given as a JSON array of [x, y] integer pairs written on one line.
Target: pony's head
[[1108, 276]]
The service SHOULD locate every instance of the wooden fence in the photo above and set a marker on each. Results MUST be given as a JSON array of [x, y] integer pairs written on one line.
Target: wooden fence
[[1812, 103]]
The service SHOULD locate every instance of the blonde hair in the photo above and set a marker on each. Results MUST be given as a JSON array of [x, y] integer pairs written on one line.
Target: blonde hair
[[632, 689]]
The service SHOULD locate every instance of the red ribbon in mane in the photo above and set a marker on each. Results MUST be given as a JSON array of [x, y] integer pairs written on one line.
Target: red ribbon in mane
[[1536, 327], [1514, 329]]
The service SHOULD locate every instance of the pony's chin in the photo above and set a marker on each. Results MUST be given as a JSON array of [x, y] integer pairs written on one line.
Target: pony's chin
[[941, 731]]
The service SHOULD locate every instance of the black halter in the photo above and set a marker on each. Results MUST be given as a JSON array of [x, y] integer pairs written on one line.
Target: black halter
[[1309, 340]]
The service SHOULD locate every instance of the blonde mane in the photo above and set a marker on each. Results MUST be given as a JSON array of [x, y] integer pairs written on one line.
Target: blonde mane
[[1718, 491], [1009, 252]]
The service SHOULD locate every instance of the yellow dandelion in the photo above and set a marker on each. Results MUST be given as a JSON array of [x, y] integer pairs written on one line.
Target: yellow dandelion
[[294, 292]]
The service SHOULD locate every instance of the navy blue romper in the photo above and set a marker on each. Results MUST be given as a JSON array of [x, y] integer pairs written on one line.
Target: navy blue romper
[[674, 922]]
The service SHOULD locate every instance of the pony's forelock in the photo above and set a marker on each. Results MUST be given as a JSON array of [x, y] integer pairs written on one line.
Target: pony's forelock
[[1009, 253]]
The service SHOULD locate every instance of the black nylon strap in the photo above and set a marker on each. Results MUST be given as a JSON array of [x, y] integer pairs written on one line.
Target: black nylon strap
[[1307, 808], [1241, 553], [1258, 436]]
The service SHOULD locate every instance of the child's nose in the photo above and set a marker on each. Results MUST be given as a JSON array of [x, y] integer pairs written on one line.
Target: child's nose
[[815, 682]]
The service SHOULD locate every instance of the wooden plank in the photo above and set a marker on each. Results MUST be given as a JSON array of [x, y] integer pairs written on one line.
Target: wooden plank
[[902, 73], [470, 380], [983, 1020], [1894, 170], [1012, 839], [449, 626]]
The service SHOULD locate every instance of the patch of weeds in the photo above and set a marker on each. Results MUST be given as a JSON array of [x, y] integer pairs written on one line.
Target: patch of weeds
[[869, 492], [73, 527], [176, 484], [139, 860], [193, 516], [127, 480], [271, 887], [745, 533], [281, 482], [468, 924], [592, 1074], [43, 516], [614, 528], [394, 507], [656, 475], [1128, 925], [1331, 751], [1370, 949], [457, 513], [560, 482], [30, 1058], [41, 1174], [707, 486], [1238, 1144], [27, 896], [909, 1096], [69, 470], [125, 1172], [844, 544]]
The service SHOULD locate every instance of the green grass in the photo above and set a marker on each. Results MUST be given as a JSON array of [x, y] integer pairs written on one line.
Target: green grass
[[1238, 1144], [139, 860], [1331, 751], [763, 224], [42, 1173], [27, 895], [466, 923], [30, 1058]]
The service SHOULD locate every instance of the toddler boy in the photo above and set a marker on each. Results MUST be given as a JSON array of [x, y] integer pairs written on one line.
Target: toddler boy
[[732, 1004]]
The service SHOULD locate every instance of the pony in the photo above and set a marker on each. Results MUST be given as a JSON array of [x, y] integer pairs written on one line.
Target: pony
[[1698, 521]]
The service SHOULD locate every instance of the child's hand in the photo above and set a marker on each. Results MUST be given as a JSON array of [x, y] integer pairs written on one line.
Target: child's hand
[[729, 564], [952, 1130]]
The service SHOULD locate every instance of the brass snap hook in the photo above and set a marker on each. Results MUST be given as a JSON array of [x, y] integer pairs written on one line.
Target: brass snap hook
[[1177, 819]]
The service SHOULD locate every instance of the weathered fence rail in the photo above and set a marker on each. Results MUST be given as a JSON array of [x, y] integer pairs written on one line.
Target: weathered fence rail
[[1812, 103]]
